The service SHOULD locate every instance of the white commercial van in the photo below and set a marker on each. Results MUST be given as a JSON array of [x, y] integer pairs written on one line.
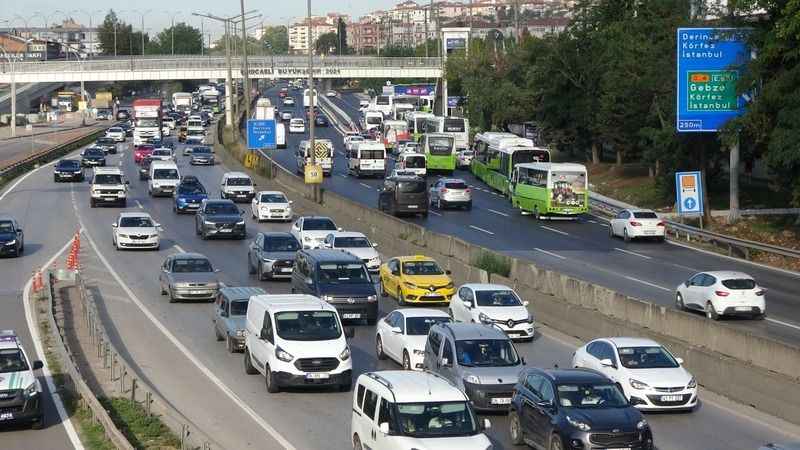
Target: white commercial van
[[372, 119], [164, 178], [323, 155], [367, 158], [296, 341], [280, 135], [413, 162]]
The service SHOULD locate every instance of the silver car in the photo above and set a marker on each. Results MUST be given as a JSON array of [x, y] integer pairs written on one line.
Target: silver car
[[188, 276], [450, 192]]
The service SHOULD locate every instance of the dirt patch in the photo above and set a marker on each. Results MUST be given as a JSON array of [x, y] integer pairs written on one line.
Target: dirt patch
[[781, 231]]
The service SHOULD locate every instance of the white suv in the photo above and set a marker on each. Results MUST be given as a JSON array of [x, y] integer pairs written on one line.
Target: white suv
[[356, 244], [22, 400], [401, 410], [237, 186], [402, 335], [311, 231], [493, 304], [647, 372], [295, 341], [108, 186]]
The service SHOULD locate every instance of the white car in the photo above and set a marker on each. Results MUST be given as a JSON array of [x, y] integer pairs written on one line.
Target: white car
[[402, 335], [23, 400], [722, 294], [464, 158], [649, 375], [637, 223], [288, 101], [286, 116], [356, 244], [134, 230], [363, 103], [408, 147], [297, 126], [493, 304], [330, 94], [351, 142], [116, 133], [402, 410], [311, 231], [162, 154], [170, 122], [271, 205]]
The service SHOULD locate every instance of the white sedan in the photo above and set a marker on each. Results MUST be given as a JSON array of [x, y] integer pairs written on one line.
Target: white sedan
[[134, 230], [650, 377], [297, 126], [493, 304], [116, 133], [330, 94], [722, 293], [402, 334], [356, 244], [288, 101], [637, 223], [271, 205]]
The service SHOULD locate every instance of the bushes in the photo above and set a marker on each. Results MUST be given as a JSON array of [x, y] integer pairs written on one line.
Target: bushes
[[493, 263]]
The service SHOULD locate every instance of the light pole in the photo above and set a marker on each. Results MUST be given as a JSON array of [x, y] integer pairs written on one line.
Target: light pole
[[312, 100], [172, 28], [46, 18], [27, 29], [83, 88], [142, 14]]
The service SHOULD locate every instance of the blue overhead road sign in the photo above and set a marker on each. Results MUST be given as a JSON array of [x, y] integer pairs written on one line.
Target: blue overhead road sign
[[261, 134]]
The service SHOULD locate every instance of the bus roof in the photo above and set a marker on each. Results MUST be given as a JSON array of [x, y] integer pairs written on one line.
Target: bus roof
[[418, 114], [554, 166], [506, 141], [442, 135]]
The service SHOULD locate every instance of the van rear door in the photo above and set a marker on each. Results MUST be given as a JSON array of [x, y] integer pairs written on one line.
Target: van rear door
[[412, 195]]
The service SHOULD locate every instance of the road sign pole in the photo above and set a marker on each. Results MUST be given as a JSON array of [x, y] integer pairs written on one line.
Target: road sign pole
[[733, 214]]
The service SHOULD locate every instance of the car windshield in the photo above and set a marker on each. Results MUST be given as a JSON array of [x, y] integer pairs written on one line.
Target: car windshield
[[200, 150], [135, 222], [196, 133], [190, 265], [298, 122], [281, 244], [422, 268], [486, 352], [228, 209], [501, 297], [6, 226], [239, 308], [273, 198], [645, 215], [145, 148], [104, 140], [115, 130], [318, 225], [239, 182], [307, 325], [382, 100], [162, 152], [93, 152], [12, 360], [372, 154], [440, 145], [68, 164], [419, 326], [739, 284], [591, 396], [646, 358], [343, 273], [165, 174], [351, 242], [356, 138], [436, 419], [107, 178]]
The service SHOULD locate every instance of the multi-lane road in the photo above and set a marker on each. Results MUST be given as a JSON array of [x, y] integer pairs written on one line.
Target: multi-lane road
[[173, 344]]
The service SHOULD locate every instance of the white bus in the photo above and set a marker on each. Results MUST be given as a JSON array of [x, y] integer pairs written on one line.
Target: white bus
[[458, 127], [264, 110], [383, 103], [416, 123]]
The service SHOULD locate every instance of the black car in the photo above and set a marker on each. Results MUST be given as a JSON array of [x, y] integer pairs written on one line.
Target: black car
[[144, 168], [127, 127], [219, 218], [271, 255], [571, 409], [321, 121], [68, 169], [123, 114], [93, 156], [12, 239], [109, 145]]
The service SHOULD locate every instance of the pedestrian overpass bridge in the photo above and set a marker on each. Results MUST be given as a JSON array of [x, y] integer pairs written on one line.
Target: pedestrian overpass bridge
[[134, 68]]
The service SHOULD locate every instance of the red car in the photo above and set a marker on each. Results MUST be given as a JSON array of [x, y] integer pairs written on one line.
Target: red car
[[141, 152]]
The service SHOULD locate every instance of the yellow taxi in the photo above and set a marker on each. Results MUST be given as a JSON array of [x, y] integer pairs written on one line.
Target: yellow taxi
[[416, 279]]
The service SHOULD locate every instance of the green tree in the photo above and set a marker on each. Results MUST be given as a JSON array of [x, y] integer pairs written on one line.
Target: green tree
[[341, 32], [278, 39], [327, 44], [187, 40]]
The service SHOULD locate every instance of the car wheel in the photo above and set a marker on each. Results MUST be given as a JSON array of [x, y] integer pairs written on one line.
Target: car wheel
[[555, 443], [345, 387], [761, 316], [271, 382], [217, 334], [38, 424], [611, 231], [625, 235], [711, 313], [400, 298], [679, 302], [535, 213], [439, 204], [250, 269], [92, 203], [469, 206], [229, 344], [357, 443], [383, 289], [248, 365], [260, 274], [163, 292], [406, 361], [515, 429], [171, 296], [379, 348], [203, 235]]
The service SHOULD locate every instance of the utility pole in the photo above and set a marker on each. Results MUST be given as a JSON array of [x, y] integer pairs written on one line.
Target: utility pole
[[312, 100], [245, 76]]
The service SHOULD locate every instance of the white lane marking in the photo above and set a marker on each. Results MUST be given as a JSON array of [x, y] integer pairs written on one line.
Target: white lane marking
[[22, 178], [189, 355], [554, 230], [179, 248], [343, 175], [592, 221], [366, 185], [481, 229], [632, 253], [48, 376], [550, 253], [139, 204], [498, 212], [435, 213], [780, 322], [648, 284]]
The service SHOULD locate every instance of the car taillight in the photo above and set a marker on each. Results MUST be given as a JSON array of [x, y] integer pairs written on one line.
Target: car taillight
[[467, 190], [722, 293], [444, 190], [760, 292], [635, 224], [661, 224]]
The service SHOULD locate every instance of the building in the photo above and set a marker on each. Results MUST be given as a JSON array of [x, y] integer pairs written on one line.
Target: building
[[67, 34], [30, 49], [362, 36], [298, 33]]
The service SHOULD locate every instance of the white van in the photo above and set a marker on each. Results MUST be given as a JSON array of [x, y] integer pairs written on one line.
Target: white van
[[237, 186], [164, 178], [367, 158], [373, 119], [280, 135], [323, 155], [413, 162], [296, 340]]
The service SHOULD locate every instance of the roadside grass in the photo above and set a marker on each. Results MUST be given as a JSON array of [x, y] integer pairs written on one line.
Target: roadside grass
[[492, 263], [142, 431]]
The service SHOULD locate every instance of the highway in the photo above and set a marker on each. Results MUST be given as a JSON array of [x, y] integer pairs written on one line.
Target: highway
[[174, 347]]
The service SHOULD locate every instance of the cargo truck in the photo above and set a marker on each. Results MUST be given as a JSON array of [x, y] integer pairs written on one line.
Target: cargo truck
[[182, 101], [104, 104], [147, 120]]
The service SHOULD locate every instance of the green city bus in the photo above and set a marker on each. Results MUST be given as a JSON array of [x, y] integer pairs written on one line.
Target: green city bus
[[440, 151], [550, 189], [496, 155]]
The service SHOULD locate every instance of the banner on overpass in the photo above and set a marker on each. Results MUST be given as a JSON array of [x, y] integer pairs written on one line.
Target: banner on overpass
[[421, 90]]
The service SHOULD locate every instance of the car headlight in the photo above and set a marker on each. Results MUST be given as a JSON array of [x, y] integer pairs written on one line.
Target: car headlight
[[241, 222], [327, 298], [484, 318], [124, 236], [636, 384], [207, 223], [345, 355], [372, 298], [239, 333], [31, 390], [472, 379], [583, 426], [640, 425], [692, 384], [181, 200], [12, 242], [410, 285], [181, 285], [283, 355], [307, 238], [450, 285], [418, 352]]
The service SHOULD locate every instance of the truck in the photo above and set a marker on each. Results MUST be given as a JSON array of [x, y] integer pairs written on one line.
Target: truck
[[211, 97], [104, 104], [264, 110], [182, 101], [323, 155], [68, 100], [147, 120]]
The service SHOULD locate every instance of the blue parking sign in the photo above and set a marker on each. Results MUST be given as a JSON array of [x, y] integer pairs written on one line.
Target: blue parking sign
[[261, 134], [689, 192]]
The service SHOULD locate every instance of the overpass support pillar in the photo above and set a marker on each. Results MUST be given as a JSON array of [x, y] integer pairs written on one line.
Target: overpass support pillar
[[228, 103]]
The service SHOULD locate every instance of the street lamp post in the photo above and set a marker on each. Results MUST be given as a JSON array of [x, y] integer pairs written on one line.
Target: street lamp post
[[91, 26], [83, 88], [312, 100], [172, 28], [142, 14]]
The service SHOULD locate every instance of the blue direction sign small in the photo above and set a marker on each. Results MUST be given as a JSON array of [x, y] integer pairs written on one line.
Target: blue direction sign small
[[261, 134], [689, 192]]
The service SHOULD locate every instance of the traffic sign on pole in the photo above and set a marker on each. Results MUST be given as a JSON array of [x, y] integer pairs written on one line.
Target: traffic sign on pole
[[689, 193], [709, 64], [261, 134]]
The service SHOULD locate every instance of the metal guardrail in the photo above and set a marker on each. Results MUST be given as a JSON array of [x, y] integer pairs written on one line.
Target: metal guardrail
[[735, 247]]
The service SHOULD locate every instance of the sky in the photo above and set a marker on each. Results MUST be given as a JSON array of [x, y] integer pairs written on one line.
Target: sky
[[161, 12]]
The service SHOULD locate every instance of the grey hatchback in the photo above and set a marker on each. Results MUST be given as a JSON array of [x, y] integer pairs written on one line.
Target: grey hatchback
[[188, 276], [230, 315]]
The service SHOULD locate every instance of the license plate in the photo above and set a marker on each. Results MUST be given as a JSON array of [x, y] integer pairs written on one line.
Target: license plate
[[225, 230], [289, 270], [6, 416], [501, 401], [671, 398], [351, 316], [412, 206], [649, 232], [194, 205], [619, 448], [318, 376], [199, 291], [743, 308]]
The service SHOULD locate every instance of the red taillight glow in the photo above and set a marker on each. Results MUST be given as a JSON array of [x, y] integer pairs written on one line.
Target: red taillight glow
[[444, 190], [635, 224], [722, 293], [467, 190]]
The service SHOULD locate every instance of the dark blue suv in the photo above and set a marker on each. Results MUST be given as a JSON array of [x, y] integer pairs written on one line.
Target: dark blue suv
[[574, 409], [189, 195]]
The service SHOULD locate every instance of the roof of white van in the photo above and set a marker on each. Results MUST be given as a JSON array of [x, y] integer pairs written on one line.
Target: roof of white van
[[417, 387], [291, 302], [554, 166]]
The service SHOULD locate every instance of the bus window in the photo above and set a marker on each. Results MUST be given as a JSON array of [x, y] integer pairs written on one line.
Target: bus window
[[453, 125], [440, 145]]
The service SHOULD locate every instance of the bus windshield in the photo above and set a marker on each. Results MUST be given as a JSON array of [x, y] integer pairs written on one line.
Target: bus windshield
[[529, 156], [453, 125], [567, 188], [440, 145]]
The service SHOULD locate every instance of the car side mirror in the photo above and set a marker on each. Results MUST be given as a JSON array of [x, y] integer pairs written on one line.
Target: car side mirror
[[448, 272], [526, 303], [487, 424], [397, 330], [468, 304], [374, 245], [349, 332], [291, 202], [113, 225], [384, 427], [216, 270], [309, 281], [445, 362], [37, 365], [396, 273], [127, 182], [679, 361], [340, 229], [607, 363]]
